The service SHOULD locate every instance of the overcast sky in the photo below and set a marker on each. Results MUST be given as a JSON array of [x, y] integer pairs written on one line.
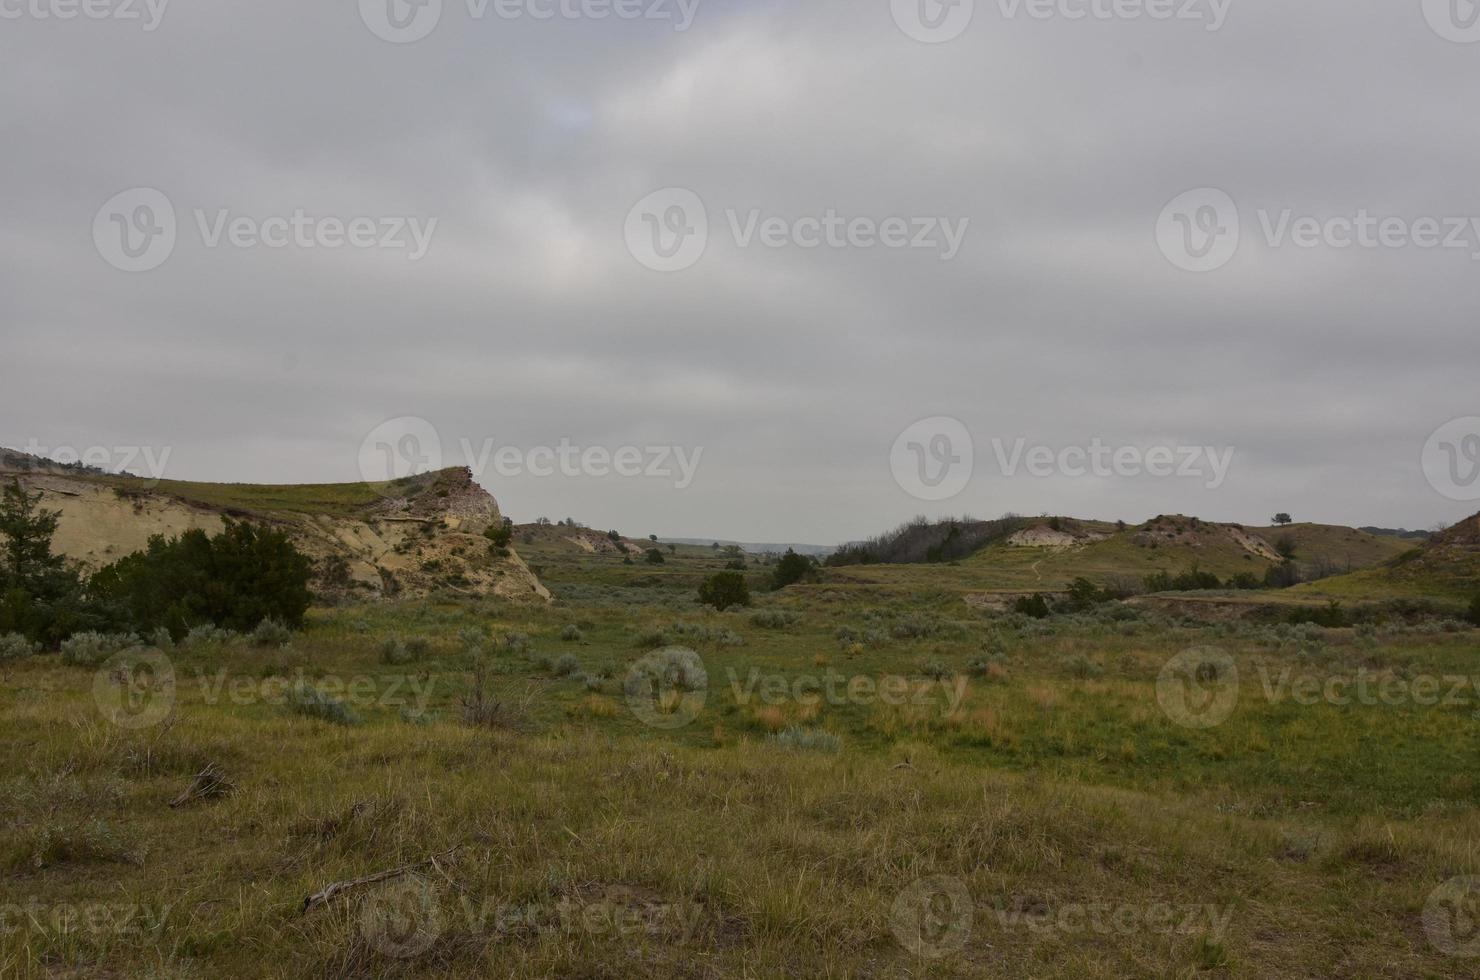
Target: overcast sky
[[1063, 314]]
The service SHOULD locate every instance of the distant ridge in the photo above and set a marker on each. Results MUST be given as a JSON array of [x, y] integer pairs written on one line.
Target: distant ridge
[[816, 550]]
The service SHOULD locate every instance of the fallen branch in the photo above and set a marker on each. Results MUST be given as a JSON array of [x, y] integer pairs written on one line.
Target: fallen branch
[[324, 895]]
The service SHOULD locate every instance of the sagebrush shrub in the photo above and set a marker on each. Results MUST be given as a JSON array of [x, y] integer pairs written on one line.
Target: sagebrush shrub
[[13, 646], [90, 649], [309, 701], [774, 619], [205, 635], [271, 633]]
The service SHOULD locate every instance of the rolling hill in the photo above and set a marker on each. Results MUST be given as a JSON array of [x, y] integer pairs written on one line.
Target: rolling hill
[[408, 537]]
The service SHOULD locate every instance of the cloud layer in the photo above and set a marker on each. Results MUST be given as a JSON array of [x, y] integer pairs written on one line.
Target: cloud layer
[[1057, 142]]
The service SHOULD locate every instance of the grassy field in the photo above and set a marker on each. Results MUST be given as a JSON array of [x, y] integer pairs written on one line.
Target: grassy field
[[870, 778]]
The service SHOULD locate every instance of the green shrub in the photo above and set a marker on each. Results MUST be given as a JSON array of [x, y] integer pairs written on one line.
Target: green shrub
[[677, 668], [269, 633], [393, 651], [41, 597], [1034, 606], [774, 619], [206, 635], [792, 568], [652, 638], [1473, 615], [309, 701], [1082, 667], [935, 670], [572, 634], [235, 580], [14, 646], [90, 649], [725, 589], [567, 666]]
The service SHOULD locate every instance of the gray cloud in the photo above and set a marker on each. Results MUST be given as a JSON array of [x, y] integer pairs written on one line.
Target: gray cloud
[[529, 322]]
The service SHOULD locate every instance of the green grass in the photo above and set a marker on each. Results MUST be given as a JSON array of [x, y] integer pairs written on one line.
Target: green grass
[[1038, 774], [332, 499]]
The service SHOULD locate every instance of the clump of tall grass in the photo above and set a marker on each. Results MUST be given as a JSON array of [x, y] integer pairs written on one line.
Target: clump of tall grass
[[806, 740]]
